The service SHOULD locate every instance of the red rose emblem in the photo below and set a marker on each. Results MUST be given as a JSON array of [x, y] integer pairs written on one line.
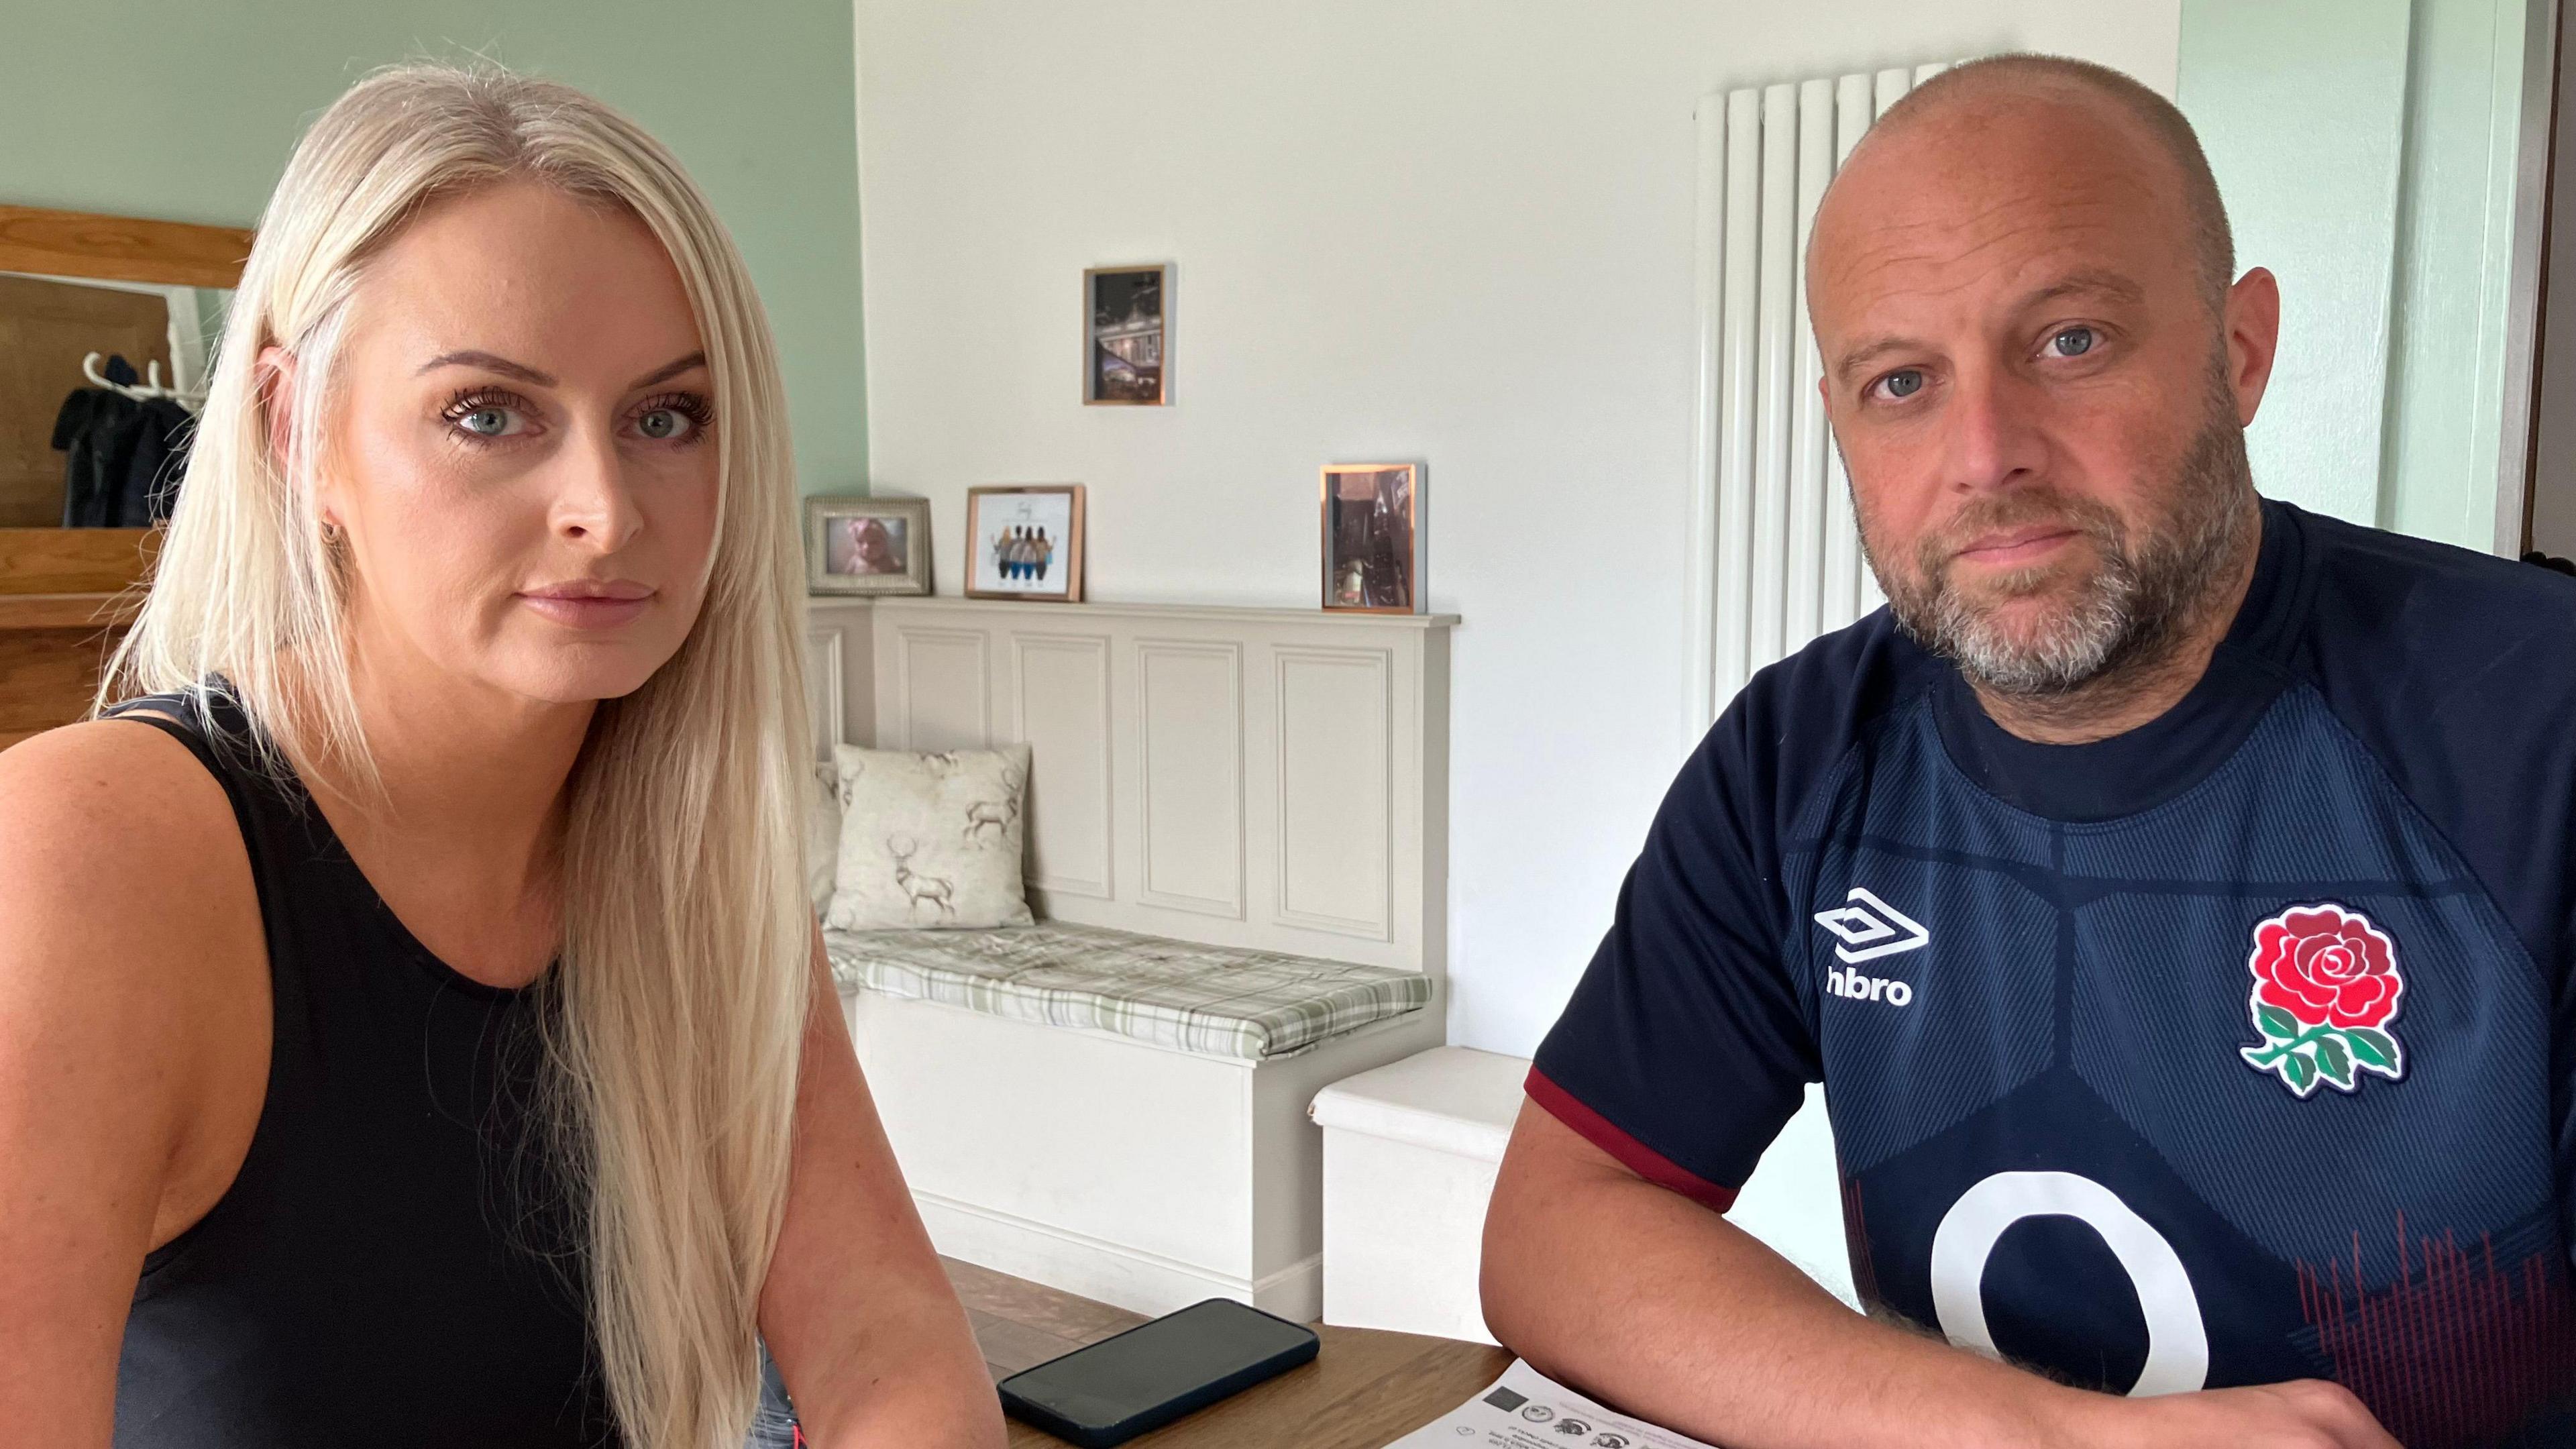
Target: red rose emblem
[[2325, 987], [2327, 966]]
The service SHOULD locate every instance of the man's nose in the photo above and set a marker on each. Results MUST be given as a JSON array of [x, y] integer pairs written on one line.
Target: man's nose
[[1993, 436], [594, 502]]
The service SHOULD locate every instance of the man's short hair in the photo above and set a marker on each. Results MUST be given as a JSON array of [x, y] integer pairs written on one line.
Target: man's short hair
[[2163, 122]]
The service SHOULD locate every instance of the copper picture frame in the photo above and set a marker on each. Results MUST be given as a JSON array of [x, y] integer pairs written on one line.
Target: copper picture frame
[[1127, 336], [1371, 523], [1025, 541]]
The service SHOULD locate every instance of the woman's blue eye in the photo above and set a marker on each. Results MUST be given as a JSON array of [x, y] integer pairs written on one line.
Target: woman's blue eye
[[663, 424], [2072, 342], [486, 422], [1903, 384]]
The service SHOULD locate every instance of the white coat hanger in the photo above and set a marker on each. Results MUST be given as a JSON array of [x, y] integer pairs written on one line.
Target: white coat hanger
[[144, 391]]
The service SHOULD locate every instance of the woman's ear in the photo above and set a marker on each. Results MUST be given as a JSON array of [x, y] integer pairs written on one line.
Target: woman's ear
[[277, 375], [274, 385]]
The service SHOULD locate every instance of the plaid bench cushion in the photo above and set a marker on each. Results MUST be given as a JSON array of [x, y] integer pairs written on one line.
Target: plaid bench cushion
[[1215, 1000]]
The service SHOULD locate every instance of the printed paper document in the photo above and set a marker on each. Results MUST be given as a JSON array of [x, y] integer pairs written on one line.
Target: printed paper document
[[1525, 1409]]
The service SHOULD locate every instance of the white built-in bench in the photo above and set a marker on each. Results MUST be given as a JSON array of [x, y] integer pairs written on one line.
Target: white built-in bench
[[1220, 1001], [1410, 1155], [1237, 855]]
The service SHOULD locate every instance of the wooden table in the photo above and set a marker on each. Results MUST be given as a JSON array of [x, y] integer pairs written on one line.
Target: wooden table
[[1364, 1390]]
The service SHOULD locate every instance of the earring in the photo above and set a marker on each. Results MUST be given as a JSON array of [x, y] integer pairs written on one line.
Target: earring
[[330, 532]]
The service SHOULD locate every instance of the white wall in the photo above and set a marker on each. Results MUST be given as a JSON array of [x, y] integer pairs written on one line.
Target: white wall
[[1450, 230]]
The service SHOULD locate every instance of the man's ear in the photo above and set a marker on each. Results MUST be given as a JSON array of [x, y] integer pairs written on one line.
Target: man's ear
[[2253, 336]]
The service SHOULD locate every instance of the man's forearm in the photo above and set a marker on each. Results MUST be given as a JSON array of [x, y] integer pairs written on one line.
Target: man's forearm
[[1670, 1312]]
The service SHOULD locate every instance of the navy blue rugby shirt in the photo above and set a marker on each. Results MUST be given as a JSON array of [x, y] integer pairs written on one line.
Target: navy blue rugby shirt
[[2233, 1049]]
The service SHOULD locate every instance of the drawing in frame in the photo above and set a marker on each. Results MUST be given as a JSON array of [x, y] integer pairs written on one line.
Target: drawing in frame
[[1025, 541], [861, 545], [1127, 336], [1372, 537]]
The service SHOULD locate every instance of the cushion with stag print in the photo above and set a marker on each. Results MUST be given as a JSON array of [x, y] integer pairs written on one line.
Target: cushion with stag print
[[930, 840]]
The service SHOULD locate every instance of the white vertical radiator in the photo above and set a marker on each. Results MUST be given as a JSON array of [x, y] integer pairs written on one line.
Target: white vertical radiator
[[1775, 558]]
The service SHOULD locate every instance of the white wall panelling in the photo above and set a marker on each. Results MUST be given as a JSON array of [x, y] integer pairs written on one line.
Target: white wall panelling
[[1336, 790], [941, 695], [826, 715], [1189, 747], [1253, 777], [1060, 707], [840, 673]]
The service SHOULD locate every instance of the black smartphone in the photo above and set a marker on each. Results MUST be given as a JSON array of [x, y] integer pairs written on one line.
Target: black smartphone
[[1156, 1372]]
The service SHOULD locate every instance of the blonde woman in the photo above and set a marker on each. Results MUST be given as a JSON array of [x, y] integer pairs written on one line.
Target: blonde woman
[[412, 1028]]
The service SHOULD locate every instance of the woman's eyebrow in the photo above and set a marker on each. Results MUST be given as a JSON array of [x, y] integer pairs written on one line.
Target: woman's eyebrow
[[493, 362], [694, 359], [489, 362]]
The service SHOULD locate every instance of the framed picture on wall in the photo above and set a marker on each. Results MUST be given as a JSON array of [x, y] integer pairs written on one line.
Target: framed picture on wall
[[1372, 520], [1126, 335], [1025, 542], [856, 545]]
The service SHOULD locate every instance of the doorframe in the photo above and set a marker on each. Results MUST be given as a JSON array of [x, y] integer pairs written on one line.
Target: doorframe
[[2527, 303]]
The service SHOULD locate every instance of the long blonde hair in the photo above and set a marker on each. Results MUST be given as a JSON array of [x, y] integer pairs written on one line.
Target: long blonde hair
[[682, 986]]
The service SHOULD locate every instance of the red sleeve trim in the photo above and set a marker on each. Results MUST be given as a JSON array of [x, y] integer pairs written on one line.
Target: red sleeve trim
[[1632, 1154]]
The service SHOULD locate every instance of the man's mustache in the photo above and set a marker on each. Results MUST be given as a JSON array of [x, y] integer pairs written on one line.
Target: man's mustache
[[2016, 510]]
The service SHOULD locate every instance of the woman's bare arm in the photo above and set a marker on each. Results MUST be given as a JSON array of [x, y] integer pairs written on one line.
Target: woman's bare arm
[[127, 1010], [870, 1338]]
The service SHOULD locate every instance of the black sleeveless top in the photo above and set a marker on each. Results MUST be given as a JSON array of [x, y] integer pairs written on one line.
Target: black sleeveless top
[[395, 1263]]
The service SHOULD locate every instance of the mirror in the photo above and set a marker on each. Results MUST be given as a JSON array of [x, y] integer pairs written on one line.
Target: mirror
[[87, 439], [73, 284]]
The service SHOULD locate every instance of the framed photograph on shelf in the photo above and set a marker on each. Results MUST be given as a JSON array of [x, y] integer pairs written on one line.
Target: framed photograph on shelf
[[1373, 537], [856, 545], [1126, 335], [1025, 542]]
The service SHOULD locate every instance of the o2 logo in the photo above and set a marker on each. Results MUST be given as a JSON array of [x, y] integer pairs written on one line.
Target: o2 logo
[[2177, 1338]]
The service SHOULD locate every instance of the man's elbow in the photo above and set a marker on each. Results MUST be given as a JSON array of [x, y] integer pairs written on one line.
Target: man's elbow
[[1516, 1252]]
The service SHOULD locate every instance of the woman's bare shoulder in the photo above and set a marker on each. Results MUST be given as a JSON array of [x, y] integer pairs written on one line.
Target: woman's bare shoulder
[[123, 856], [116, 794]]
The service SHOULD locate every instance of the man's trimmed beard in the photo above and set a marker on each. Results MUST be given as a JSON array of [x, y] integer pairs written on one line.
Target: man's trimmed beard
[[2130, 608]]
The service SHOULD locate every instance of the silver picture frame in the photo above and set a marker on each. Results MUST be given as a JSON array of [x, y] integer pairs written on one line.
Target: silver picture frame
[[855, 544]]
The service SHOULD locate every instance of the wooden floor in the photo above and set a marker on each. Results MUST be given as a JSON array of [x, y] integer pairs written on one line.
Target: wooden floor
[[1021, 1324]]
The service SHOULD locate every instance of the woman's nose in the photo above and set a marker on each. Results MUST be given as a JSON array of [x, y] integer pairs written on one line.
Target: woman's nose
[[594, 503]]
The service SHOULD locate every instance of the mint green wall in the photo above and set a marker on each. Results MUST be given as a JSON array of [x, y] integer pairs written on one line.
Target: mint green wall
[[2304, 124], [186, 109], [2450, 439], [2367, 152]]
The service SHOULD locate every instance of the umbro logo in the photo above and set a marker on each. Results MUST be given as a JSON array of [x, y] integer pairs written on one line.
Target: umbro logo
[[1870, 928]]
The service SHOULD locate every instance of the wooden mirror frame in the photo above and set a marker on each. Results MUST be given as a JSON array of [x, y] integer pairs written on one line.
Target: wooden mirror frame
[[61, 587], [121, 248]]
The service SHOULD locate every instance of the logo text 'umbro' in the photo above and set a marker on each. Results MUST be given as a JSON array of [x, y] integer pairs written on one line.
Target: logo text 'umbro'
[[1852, 986], [1870, 928]]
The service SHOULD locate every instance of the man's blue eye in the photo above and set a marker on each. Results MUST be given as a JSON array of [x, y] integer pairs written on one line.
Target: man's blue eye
[[2073, 342], [1904, 384]]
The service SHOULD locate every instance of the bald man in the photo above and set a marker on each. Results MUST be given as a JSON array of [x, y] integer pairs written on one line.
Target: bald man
[[2172, 889]]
